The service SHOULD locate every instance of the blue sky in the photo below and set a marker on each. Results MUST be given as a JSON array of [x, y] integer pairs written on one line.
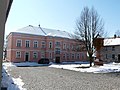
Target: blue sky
[[61, 14]]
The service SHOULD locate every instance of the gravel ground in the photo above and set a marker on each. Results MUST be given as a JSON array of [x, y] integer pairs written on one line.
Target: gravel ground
[[46, 78]]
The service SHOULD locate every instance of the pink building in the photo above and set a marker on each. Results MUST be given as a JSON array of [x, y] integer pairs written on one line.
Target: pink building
[[33, 43]]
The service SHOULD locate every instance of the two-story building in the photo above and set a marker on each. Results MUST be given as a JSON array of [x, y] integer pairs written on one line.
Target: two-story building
[[110, 51], [33, 43]]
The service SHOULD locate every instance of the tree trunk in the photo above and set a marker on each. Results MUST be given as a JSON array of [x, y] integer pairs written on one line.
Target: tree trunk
[[91, 59]]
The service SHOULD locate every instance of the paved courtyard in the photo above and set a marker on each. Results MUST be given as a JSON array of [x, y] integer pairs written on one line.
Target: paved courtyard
[[46, 78]]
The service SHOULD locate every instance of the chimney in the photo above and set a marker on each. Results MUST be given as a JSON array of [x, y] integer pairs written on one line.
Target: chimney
[[39, 25], [115, 35]]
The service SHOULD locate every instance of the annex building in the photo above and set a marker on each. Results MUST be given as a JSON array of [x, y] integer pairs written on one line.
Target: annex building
[[110, 52]]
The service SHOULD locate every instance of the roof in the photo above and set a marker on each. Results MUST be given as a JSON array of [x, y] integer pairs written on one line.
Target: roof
[[44, 32], [111, 41]]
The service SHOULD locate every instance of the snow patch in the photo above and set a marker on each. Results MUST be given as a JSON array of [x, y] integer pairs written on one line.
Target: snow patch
[[8, 81]]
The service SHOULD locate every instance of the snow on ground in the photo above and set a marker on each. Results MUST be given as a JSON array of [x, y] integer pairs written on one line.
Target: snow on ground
[[107, 68], [10, 82], [16, 83]]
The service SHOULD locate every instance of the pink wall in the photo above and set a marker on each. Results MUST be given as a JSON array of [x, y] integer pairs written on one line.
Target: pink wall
[[12, 48]]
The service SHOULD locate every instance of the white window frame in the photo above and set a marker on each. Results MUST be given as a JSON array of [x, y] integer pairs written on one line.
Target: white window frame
[[17, 42], [26, 43], [18, 55], [64, 46], [34, 44], [43, 44]]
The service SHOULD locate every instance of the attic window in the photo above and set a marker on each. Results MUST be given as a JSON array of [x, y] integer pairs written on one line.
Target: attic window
[[113, 48]]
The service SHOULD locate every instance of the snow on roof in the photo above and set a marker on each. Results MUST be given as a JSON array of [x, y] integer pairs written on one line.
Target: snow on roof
[[111, 41], [44, 32]]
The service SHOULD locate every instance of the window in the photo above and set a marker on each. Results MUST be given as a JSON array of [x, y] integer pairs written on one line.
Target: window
[[57, 51], [57, 43], [35, 44], [68, 46], [78, 56], [106, 48], [63, 56], [18, 43], [67, 56], [82, 56], [72, 56], [43, 44], [106, 56], [113, 48], [113, 56], [35, 55], [50, 55], [18, 54], [50, 44], [27, 43], [64, 46], [42, 54]]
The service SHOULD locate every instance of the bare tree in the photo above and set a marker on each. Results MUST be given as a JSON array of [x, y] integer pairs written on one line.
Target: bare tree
[[89, 27]]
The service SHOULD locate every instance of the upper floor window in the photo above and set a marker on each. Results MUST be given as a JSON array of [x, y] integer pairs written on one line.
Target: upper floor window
[[68, 46], [35, 55], [113, 48], [18, 54], [18, 43], [106, 48], [50, 44], [35, 44], [64, 46], [27, 43], [43, 44], [57, 50], [57, 44]]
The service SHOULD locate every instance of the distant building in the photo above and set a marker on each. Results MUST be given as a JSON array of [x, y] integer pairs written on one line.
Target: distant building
[[33, 43], [110, 52]]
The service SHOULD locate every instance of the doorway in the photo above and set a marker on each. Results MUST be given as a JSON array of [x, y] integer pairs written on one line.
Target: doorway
[[26, 56], [118, 57], [57, 60]]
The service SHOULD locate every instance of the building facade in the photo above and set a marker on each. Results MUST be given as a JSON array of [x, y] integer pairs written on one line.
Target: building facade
[[110, 51], [33, 43]]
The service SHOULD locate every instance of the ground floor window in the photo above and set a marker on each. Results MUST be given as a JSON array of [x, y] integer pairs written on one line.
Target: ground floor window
[[78, 56], [72, 56], [67, 56], [42, 54], [113, 56], [18, 54], [35, 55], [50, 55], [106, 56], [63, 56]]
